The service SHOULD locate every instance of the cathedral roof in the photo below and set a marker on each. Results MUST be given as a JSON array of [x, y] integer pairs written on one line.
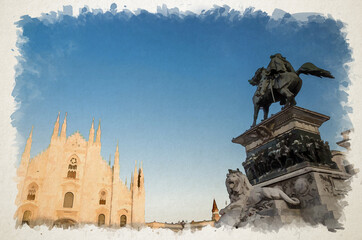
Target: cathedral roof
[[76, 140]]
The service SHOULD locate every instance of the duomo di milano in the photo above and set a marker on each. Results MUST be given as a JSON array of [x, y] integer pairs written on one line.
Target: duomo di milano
[[70, 183]]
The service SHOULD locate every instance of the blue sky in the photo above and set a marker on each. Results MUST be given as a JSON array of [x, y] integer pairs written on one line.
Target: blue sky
[[172, 90]]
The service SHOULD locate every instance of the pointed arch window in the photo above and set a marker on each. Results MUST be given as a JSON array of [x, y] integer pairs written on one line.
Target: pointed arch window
[[72, 168], [32, 189], [68, 200], [102, 198], [101, 219], [139, 178], [26, 217], [123, 221]]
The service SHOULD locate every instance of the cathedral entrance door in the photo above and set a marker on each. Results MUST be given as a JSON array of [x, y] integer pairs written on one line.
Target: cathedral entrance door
[[65, 223]]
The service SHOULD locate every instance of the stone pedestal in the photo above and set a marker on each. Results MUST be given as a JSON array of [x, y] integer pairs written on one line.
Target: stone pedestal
[[320, 192], [276, 215], [286, 151], [285, 142]]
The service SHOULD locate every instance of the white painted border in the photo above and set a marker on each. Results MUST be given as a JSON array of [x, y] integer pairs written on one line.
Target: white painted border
[[347, 11]]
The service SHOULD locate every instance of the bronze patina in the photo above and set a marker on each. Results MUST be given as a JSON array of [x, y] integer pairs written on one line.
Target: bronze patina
[[279, 82]]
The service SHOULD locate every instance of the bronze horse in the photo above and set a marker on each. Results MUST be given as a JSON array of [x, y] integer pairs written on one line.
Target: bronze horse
[[291, 84]]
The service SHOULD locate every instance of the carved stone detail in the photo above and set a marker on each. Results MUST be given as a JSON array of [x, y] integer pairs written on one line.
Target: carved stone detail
[[288, 150], [327, 184], [247, 201]]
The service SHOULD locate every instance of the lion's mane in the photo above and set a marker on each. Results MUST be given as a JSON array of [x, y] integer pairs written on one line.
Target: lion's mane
[[241, 186]]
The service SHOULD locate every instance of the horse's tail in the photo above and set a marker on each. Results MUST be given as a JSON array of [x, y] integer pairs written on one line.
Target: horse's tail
[[310, 68], [290, 200]]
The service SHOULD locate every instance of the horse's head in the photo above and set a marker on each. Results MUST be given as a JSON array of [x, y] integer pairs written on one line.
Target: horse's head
[[258, 75]]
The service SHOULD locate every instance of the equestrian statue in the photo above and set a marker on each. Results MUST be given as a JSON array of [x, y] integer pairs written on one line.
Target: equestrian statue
[[279, 82]]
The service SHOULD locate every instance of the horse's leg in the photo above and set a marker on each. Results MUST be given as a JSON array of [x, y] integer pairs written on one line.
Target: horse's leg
[[289, 95], [256, 112], [292, 100]]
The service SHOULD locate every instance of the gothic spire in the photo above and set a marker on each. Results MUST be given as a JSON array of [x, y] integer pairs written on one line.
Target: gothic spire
[[140, 179], [135, 176], [25, 158], [91, 133], [63, 132], [135, 169], [116, 156], [98, 137], [116, 165], [26, 153], [56, 128]]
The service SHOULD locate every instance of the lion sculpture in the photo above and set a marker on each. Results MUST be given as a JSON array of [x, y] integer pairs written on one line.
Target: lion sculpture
[[244, 197]]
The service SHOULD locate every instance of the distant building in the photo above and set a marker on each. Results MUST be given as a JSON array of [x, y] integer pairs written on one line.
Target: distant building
[[188, 225], [339, 157], [215, 212], [70, 183], [345, 143]]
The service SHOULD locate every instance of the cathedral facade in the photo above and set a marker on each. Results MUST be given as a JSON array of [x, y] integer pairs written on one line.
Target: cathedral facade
[[70, 183]]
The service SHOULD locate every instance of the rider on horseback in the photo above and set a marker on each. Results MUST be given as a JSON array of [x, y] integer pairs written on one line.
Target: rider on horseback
[[278, 64], [282, 80]]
